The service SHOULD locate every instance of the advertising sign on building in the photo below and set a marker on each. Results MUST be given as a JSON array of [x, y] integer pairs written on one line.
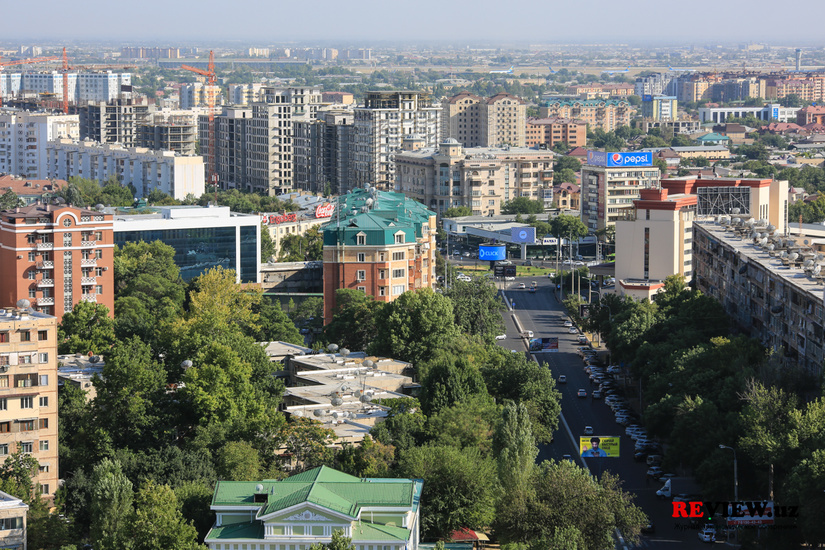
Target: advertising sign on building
[[275, 219], [491, 252], [325, 210], [614, 160], [523, 235]]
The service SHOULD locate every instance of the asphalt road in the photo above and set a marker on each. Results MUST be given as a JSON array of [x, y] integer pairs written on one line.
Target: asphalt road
[[541, 313]]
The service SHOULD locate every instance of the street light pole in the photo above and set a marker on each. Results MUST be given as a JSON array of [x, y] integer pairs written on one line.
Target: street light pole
[[735, 474]]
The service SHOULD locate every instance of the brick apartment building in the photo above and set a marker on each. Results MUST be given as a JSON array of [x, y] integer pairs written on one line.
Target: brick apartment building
[[55, 256]]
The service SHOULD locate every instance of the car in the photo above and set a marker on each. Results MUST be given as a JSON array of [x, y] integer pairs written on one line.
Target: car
[[563, 379], [528, 333], [501, 337], [567, 262], [551, 275], [588, 430], [568, 457], [708, 533], [655, 472], [573, 330], [509, 278], [654, 460], [640, 455], [515, 351], [521, 285], [668, 476], [687, 497], [466, 254], [568, 323], [534, 284], [579, 257], [609, 282], [578, 264], [582, 339], [648, 529], [532, 289], [457, 253], [613, 369], [528, 262], [596, 394], [582, 392]]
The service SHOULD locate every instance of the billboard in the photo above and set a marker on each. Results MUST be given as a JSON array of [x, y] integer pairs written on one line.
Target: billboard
[[275, 219], [325, 210], [612, 160], [549, 345], [491, 252], [599, 445], [747, 513], [523, 235]]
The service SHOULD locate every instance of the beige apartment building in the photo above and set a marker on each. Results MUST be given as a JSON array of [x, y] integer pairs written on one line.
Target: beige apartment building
[[483, 178], [28, 390], [607, 114], [608, 193], [478, 122], [551, 131]]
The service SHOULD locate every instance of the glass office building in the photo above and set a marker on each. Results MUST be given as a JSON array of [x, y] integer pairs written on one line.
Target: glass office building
[[203, 238]]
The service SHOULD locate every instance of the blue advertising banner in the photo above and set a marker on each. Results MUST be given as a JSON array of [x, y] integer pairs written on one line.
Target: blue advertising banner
[[523, 235], [611, 160], [491, 252]]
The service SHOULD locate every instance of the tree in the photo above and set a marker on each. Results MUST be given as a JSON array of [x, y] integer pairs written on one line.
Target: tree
[[218, 302], [158, 524], [309, 312], [16, 475], [300, 248], [570, 227], [468, 423], [457, 212], [115, 194], [477, 307], [791, 100], [681, 140], [756, 151], [370, 459], [156, 197], [354, 320], [564, 176], [9, 200], [111, 507], [307, 443], [338, 542], [460, 487], [567, 163], [515, 448], [522, 205], [275, 325], [403, 427], [268, 250], [238, 461], [413, 326], [449, 379], [87, 328], [653, 141]]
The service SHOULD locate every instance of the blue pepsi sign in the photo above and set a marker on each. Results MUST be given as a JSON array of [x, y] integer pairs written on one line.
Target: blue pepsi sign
[[491, 252], [775, 112], [611, 160]]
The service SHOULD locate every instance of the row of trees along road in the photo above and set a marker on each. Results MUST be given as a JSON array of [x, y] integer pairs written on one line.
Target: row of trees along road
[[704, 386]]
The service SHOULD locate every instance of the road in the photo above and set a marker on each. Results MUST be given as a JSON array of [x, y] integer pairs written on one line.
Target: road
[[541, 313]]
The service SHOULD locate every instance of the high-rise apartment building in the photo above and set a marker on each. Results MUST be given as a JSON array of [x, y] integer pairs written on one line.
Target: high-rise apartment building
[[112, 122], [28, 391], [607, 114], [24, 138], [196, 94], [655, 84], [659, 107], [482, 178], [477, 122], [611, 182], [380, 127], [55, 256], [97, 86], [169, 130], [146, 170], [549, 132], [380, 243]]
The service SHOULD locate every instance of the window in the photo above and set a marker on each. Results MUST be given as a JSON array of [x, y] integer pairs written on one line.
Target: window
[[44, 380], [5, 427], [32, 256], [382, 291], [363, 289], [4, 449], [396, 256], [43, 357], [398, 289], [98, 272], [99, 289], [11, 523], [32, 293], [382, 273], [398, 273], [27, 402], [25, 359], [67, 222], [43, 423], [4, 381], [4, 337], [399, 239], [26, 425], [44, 444], [32, 274], [44, 402], [25, 336], [361, 239], [42, 335], [361, 275], [44, 468], [4, 404], [99, 254], [26, 446], [32, 239], [44, 489], [362, 257]]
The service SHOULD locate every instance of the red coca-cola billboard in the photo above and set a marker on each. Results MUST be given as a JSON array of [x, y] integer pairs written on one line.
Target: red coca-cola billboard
[[325, 210]]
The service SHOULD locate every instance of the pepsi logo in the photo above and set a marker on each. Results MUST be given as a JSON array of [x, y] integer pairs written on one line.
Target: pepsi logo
[[617, 157]]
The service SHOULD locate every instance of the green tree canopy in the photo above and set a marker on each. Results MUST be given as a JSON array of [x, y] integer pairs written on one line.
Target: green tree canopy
[[111, 507], [87, 328], [477, 307], [354, 321], [522, 205], [457, 212], [157, 523], [567, 163]]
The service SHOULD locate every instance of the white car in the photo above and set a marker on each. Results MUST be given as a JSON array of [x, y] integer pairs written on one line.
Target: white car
[[568, 324], [501, 337], [588, 430], [522, 285], [573, 330]]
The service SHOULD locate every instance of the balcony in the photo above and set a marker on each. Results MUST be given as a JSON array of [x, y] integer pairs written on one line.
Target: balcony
[[87, 280], [45, 282], [45, 301], [88, 244], [45, 246], [45, 265], [88, 262], [90, 298]]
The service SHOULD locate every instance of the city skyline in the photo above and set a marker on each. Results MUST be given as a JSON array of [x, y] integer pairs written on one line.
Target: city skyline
[[642, 21]]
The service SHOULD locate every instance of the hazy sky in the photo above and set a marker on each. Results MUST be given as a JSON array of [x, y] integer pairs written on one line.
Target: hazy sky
[[454, 21]]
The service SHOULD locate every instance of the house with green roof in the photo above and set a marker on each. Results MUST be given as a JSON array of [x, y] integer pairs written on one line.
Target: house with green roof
[[304, 509], [381, 243], [713, 139]]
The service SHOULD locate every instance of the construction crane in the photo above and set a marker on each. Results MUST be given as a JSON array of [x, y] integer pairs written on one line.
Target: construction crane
[[21, 62], [66, 69], [212, 82]]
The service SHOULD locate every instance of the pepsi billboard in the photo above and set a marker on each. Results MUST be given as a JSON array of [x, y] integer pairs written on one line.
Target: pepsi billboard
[[491, 252], [616, 160], [523, 235]]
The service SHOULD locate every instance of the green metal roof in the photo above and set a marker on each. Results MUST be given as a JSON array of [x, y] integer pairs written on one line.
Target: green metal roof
[[713, 137], [251, 530], [323, 486], [379, 220], [364, 530]]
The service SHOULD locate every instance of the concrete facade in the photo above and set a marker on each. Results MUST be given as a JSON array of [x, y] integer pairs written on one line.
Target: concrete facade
[[24, 138], [549, 132], [607, 114], [608, 194]]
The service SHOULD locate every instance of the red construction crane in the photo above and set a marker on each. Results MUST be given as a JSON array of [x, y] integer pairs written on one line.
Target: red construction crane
[[21, 62], [212, 82], [66, 69]]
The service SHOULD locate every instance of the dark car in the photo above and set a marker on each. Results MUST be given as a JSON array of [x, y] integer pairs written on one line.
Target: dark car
[[640, 455], [648, 529]]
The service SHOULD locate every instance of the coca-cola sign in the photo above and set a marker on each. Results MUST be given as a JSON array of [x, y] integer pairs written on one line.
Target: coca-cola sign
[[274, 219], [325, 210]]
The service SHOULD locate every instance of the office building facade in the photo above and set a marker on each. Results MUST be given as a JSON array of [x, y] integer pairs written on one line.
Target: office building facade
[[55, 256], [482, 178], [659, 107], [380, 243], [771, 111]]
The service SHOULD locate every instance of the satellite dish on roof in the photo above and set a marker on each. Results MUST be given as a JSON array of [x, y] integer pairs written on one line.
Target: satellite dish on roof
[[22, 303], [319, 412], [337, 401], [259, 488], [817, 269], [299, 414]]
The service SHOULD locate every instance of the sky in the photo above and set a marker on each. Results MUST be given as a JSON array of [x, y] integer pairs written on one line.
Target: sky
[[366, 22]]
